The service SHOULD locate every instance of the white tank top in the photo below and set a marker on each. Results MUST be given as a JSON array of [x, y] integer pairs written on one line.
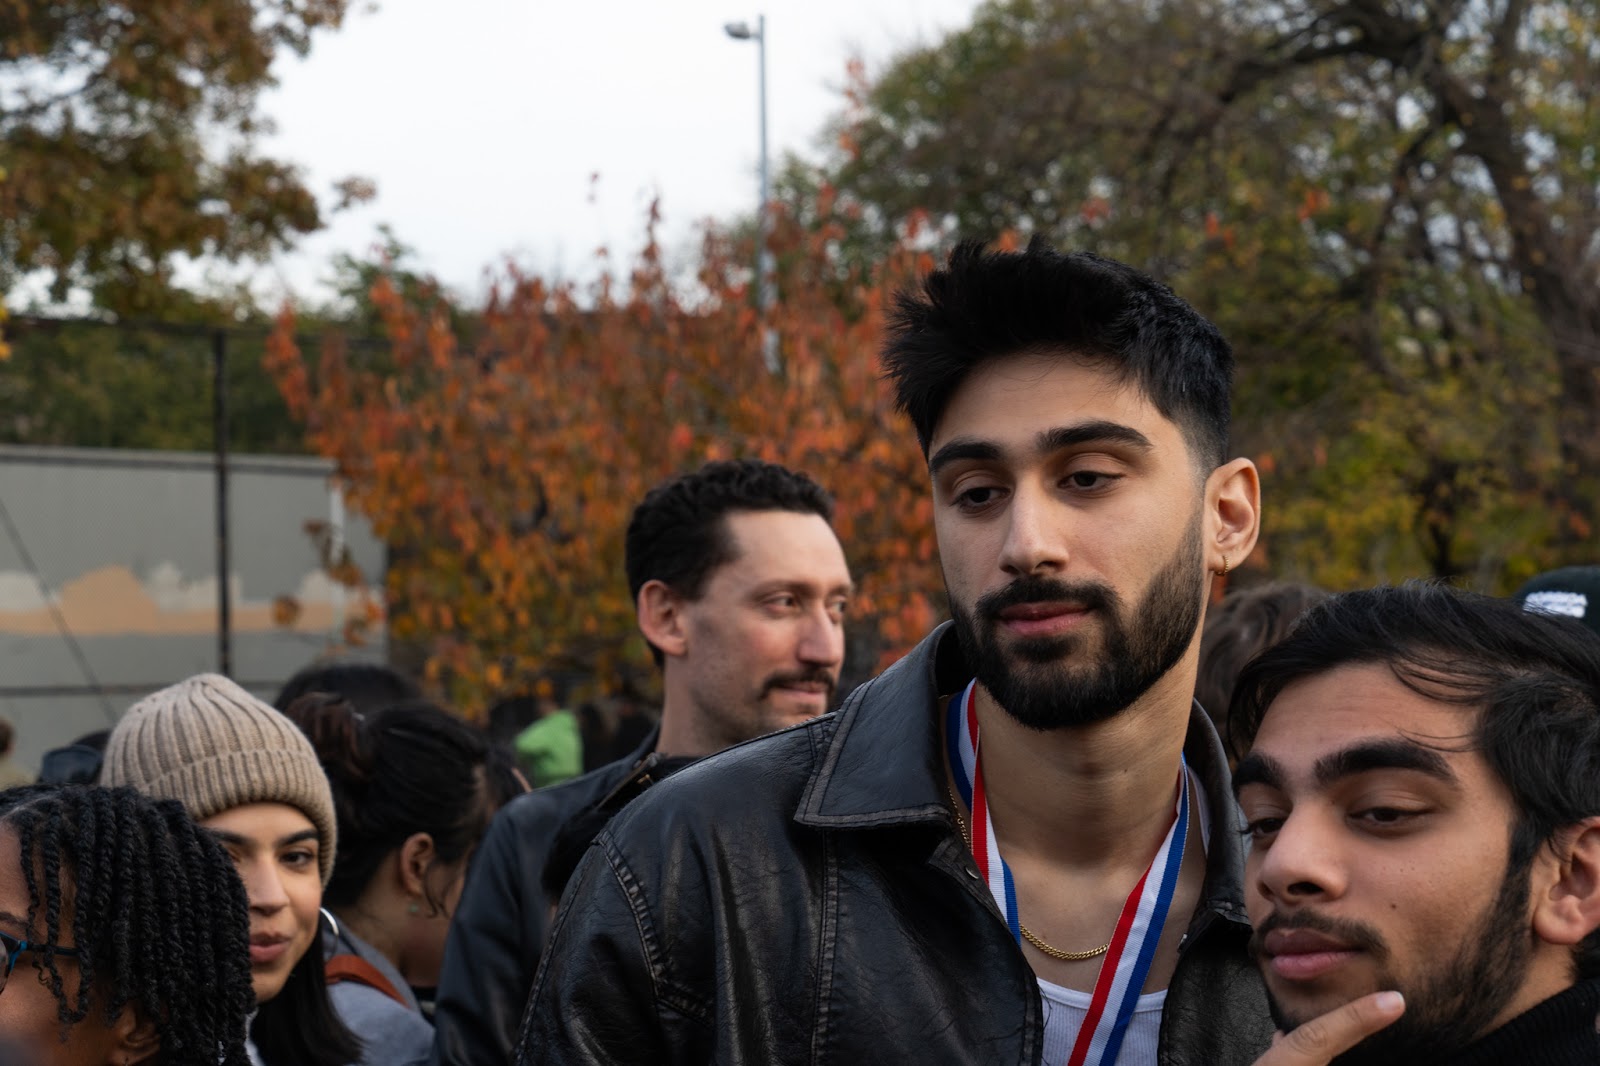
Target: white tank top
[[1064, 1012]]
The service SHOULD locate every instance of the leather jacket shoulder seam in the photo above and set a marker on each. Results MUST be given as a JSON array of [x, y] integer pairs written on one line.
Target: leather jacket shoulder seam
[[812, 799], [667, 993]]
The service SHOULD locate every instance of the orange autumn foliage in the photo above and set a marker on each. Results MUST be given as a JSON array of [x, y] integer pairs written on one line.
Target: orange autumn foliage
[[502, 470]]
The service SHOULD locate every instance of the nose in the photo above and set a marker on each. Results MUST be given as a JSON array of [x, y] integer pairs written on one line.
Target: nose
[[263, 886], [1034, 543], [1301, 862], [822, 639]]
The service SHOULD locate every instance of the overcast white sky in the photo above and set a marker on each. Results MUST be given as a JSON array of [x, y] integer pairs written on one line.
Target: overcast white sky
[[485, 122]]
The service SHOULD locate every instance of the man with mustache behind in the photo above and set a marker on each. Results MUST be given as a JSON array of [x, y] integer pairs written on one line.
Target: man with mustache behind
[[1017, 845], [1423, 797], [740, 587]]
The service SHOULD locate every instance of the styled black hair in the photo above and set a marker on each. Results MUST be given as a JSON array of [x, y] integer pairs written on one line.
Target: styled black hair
[[677, 535], [298, 1026], [368, 686], [412, 768], [985, 305], [159, 917], [1533, 679]]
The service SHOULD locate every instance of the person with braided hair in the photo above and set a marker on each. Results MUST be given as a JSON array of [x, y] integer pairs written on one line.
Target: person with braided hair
[[249, 777], [125, 933]]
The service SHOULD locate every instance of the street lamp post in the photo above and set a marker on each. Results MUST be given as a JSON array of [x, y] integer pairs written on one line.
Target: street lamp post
[[766, 286]]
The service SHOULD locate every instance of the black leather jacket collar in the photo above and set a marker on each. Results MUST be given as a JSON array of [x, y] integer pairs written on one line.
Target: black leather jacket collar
[[856, 787]]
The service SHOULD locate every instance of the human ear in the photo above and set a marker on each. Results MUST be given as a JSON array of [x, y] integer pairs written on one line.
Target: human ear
[[1233, 514], [661, 617], [417, 854], [1567, 905], [135, 1038]]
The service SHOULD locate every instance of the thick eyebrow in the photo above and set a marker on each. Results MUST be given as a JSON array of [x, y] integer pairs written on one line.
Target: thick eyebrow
[[223, 836], [847, 588], [1099, 431], [1389, 754], [1258, 769], [962, 448], [7, 918]]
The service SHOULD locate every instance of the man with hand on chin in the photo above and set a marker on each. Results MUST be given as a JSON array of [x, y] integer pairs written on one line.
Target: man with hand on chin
[[1423, 796], [1017, 845]]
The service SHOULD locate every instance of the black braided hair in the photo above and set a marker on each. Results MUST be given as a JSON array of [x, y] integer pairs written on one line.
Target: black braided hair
[[159, 920]]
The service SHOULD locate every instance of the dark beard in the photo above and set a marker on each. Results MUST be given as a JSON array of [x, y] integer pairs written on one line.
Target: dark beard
[[1048, 683], [1453, 1003]]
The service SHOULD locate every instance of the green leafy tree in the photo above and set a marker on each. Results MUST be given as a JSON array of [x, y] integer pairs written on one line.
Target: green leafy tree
[[127, 141], [93, 383], [1390, 208]]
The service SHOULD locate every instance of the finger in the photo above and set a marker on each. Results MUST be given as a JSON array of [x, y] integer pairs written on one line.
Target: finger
[[1316, 1042]]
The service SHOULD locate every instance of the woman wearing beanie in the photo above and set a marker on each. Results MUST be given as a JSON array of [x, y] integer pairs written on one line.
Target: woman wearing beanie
[[245, 773], [414, 788]]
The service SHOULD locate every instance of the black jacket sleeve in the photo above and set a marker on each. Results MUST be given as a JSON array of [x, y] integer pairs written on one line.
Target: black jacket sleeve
[[495, 939]]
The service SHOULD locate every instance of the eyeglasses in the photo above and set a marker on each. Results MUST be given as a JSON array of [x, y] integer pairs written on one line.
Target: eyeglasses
[[15, 946]]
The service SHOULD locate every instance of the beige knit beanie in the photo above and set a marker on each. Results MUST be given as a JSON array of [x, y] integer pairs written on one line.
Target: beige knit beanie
[[211, 745]]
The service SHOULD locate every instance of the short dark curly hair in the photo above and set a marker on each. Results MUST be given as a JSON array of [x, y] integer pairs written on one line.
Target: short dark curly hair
[[985, 305], [678, 534], [159, 917]]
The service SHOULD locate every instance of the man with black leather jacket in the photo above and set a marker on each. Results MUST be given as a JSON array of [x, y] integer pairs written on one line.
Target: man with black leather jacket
[[740, 586], [1017, 844]]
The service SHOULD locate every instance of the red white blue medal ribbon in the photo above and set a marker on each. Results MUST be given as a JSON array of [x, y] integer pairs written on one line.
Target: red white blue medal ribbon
[[1133, 944]]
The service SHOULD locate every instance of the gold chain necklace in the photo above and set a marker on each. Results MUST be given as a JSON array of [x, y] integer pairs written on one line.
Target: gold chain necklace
[[1053, 952]]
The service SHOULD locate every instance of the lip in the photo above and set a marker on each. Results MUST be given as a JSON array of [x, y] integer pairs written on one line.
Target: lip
[[1304, 954], [265, 950], [1041, 618], [810, 693]]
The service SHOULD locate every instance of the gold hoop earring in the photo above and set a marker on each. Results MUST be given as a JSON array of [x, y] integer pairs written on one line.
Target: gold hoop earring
[[1226, 566]]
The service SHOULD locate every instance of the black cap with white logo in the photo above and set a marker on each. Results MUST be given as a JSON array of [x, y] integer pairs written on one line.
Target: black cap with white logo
[[1572, 592]]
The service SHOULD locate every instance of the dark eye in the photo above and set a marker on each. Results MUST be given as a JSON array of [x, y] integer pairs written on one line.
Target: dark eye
[[1383, 818], [1260, 829], [1090, 479], [299, 859], [977, 497]]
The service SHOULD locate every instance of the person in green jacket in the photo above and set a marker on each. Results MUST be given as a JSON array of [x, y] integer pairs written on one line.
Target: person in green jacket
[[550, 750]]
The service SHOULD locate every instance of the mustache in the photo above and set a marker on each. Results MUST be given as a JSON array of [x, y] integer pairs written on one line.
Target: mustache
[[815, 676], [1352, 933], [1088, 594]]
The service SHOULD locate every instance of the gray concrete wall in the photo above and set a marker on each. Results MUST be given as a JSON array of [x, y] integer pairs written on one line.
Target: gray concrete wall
[[125, 544]]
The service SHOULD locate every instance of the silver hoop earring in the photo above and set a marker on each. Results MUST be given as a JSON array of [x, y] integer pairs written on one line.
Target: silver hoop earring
[[333, 922]]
